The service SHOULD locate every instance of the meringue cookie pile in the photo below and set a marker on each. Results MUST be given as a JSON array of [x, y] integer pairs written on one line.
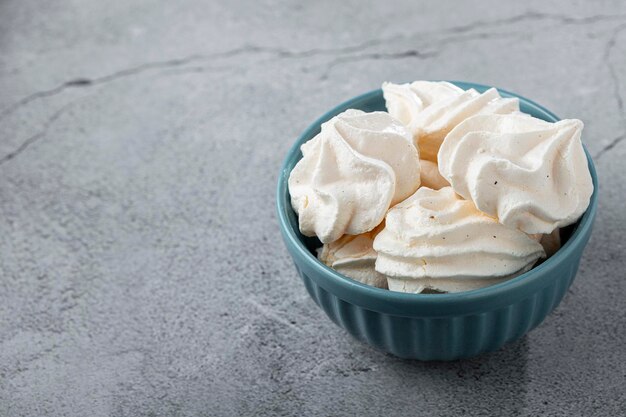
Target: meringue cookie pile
[[432, 109], [450, 190]]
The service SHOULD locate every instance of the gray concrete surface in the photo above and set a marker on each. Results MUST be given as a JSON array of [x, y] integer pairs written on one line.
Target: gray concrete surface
[[141, 268]]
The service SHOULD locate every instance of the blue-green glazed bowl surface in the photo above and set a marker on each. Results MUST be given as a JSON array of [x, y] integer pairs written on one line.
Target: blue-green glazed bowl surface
[[433, 326]]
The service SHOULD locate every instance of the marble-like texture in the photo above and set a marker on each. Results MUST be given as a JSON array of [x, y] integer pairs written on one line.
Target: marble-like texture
[[141, 267]]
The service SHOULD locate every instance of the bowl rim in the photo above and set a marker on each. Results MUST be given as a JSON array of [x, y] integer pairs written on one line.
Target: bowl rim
[[381, 299]]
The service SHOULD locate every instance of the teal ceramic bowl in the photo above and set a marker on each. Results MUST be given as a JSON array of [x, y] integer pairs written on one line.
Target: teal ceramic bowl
[[433, 326]]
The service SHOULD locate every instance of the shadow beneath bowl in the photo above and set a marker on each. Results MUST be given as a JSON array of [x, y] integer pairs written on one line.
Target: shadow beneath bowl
[[491, 383]]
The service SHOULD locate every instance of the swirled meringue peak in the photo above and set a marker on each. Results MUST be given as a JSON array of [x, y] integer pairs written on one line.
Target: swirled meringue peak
[[528, 173], [406, 101], [354, 257], [435, 239], [431, 109], [351, 173]]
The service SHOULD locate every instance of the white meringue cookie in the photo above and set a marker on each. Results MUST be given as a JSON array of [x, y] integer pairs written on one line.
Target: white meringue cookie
[[445, 285], [351, 173], [528, 173], [354, 257], [405, 101], [430, 176], [432, 109], [435, 237]]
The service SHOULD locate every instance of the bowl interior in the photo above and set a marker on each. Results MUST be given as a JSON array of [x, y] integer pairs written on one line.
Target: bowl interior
[[374, 101]]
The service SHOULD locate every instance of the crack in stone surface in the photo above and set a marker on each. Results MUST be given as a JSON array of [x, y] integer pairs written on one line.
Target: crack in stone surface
[[198, 69], [615, 80], [87, 82], [287, 53], [24, 365], [414, 53], [174, 63], [36, 137], [610, 146], [477, 36], [273, 316], [612, 72], [375, 56], [533, 15]]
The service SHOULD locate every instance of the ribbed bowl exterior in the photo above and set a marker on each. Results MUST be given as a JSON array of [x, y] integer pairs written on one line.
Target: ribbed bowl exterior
[[433, 326], [443, 338]]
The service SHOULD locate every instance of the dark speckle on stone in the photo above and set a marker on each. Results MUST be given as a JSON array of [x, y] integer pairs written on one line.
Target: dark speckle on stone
[[79, 82]]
